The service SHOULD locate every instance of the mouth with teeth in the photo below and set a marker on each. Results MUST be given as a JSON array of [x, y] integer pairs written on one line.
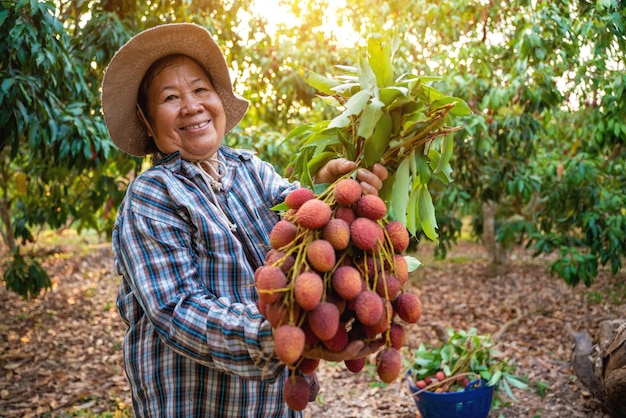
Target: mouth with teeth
[[196, 126]]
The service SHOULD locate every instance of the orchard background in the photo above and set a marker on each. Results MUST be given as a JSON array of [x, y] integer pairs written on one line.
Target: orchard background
[[538, 167]]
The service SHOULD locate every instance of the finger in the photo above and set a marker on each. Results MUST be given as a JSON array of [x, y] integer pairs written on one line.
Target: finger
[[381, 171], [370, 182]]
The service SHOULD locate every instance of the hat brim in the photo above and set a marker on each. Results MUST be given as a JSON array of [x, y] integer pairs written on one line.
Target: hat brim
[[130, 63]]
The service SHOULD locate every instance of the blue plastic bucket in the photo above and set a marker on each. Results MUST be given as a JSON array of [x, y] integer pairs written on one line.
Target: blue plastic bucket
[[473, 402]]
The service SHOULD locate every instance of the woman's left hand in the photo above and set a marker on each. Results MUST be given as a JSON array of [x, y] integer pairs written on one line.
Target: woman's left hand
[[371, 180]]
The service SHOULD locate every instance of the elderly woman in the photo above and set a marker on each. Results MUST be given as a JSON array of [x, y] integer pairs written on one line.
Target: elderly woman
[[191, 232]]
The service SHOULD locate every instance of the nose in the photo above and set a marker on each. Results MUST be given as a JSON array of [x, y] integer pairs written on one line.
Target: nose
[[191, 105]]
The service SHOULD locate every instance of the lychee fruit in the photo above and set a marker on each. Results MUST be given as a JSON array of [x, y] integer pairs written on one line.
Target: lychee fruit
[[408, 307], [279, 259], [347, 192], [368, 307], [339, 341], [337, 232], [296, 392], [401, 268], [397, 335], [321, 255], [270, 282], [347, 282], [297, 197], [366, 234], [308, 365], [288, 343], [388, 364], [324, 320], [355, 365], [313, 214], [398, 236], [345, 213], [383, 323], [279, 313], [308, 290], [282, 234], [388, 285], [371, 206]]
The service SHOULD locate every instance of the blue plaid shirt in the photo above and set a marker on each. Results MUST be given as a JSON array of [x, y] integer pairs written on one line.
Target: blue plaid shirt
[[196, 344]]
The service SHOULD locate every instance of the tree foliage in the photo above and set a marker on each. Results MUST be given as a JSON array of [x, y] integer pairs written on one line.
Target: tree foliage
[[544, 144]]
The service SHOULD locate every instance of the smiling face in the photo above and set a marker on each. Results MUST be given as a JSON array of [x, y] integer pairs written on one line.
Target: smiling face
[[185, 112]]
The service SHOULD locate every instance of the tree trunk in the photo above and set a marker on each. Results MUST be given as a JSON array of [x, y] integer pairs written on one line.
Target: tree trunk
[[602, 368], [498, 254], [6, 230]]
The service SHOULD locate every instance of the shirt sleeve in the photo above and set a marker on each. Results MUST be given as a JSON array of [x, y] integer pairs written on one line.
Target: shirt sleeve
[[158, 260]]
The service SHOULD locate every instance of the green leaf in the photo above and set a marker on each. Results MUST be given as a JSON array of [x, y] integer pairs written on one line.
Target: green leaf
[[412, 263], [318, 81], [516, 381], [400, 193], [380, 57], [367, 78], [370, 117], [353, 106], [495, 378], [412, 215], [374, 147], [389, 94], [427, 213], [460, 108], [442, 161], [319, 160]]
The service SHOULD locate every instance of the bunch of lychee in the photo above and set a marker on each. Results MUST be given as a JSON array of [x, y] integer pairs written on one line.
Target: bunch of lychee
[[335, 274]]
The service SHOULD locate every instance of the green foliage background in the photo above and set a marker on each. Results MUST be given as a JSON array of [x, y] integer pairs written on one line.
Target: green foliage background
[[545, 81]]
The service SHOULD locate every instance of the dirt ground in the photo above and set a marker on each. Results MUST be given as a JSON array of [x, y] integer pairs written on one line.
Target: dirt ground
[[60, 354]]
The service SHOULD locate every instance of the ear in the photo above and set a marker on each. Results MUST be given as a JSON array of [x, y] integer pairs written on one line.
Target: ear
[[144, 119]]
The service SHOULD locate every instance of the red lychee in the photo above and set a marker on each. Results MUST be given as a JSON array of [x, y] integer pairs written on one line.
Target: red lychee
[[347, 192], [371, 206], [388, 285], [345, 213], [324, 320], [308, 290], [321, 255], [288, 343], [308, 365], [398, 235], [347, 282], [270, 283], [313, 214], [397, 335], [401, 268], [296, 392], [408, 307], [388, 364], [297, 197], [282, 234], [355, 365], [368, 307], [279, 259], [337, 232], [366, 234], [339, 341]]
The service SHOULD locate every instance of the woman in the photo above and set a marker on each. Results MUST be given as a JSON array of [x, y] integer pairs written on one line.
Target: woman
[[191, 231]]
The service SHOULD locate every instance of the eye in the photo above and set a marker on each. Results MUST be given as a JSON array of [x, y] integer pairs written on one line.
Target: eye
[[169, 98]]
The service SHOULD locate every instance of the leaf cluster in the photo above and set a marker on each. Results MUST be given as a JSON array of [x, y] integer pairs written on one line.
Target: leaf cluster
[[400, 121], [467, 353]]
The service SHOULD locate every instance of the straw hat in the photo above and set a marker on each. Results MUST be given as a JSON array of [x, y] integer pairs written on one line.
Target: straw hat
[[126, 70]]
